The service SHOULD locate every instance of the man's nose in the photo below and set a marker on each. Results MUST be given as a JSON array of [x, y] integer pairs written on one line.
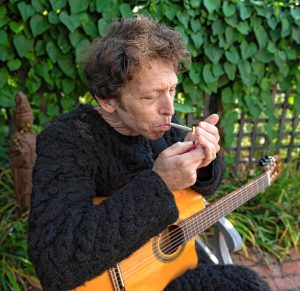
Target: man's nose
[[167, 105]]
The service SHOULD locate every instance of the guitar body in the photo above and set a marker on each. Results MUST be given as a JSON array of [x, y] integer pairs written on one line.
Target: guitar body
[[155, 264], [172, 252]]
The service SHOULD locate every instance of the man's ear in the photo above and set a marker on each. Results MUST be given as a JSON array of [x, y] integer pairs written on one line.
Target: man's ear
[[108, 105]]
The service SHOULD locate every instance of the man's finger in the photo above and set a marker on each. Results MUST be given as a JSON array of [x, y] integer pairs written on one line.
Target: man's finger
[[192, 158], [212, 119], [177, 149], [206, 135], [207, 129]]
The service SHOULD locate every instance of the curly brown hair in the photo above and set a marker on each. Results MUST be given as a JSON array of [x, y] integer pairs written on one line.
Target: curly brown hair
[[111, 61]]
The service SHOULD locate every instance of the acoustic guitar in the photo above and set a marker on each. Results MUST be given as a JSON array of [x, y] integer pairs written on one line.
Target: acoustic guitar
[[172, 252]]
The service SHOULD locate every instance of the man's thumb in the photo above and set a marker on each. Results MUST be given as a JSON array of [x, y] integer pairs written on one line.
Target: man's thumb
[[212, 119]]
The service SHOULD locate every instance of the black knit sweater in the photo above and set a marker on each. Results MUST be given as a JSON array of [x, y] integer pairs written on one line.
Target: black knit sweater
[[79, 156]]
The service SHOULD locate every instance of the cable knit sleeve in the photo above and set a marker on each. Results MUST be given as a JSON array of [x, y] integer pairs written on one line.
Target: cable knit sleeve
[[70, 239], [210, 177]]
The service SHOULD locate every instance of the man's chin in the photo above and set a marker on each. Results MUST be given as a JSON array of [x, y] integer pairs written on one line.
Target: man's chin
[[156, 135]]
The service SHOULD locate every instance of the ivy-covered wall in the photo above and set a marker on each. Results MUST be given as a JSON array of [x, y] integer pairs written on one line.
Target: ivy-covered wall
[[241, 50]]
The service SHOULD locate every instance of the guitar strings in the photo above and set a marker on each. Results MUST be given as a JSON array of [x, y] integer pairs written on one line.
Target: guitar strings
[[206, 210], [143, 264], [224, 199], [146, 263], [206, 224], [187, 228]]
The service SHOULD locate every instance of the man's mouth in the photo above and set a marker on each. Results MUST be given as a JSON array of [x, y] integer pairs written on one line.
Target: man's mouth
[[165, 127]]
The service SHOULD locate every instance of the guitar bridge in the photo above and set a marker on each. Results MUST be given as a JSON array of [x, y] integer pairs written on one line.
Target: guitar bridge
[[116, 278]]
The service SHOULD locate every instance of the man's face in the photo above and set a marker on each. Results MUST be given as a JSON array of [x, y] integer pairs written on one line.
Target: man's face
[[147, 100]]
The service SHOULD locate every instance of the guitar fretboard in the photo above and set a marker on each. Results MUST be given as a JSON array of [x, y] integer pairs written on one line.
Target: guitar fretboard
[[213, 212]]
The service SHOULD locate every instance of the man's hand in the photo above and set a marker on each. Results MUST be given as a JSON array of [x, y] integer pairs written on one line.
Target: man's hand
[[178, 167], [207, 137]]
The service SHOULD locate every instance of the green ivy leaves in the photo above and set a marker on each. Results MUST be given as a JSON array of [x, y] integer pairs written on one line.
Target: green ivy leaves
[[53, 51], [38, 24], [232, 55], [3, 37], [66, 64], [248, 50], [3, 76], [212, 6], [22, 44], [58, 4], [239, 42], [239, 49], [26, 10], [260, 34], [78, 6], [213, 53], [295, 12], [70, 21], [14, 64]]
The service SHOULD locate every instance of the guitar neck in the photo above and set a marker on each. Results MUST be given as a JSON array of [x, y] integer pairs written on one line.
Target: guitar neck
[[213, 212]]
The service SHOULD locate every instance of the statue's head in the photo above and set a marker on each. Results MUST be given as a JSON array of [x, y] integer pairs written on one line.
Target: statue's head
[[23, 112]]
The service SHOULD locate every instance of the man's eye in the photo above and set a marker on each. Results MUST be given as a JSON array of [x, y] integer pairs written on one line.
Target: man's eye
[[147, 98]]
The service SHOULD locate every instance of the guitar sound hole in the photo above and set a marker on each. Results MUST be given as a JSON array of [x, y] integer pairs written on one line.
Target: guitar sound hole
[[171, 240]]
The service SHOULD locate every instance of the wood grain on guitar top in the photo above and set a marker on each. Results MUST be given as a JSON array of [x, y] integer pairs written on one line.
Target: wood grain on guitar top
[[156, 264]]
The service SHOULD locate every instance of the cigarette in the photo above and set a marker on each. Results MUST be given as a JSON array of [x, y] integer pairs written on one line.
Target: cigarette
[[185, 128]]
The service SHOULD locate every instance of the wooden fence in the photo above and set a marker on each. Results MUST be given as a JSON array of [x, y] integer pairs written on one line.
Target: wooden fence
[[252, 141]]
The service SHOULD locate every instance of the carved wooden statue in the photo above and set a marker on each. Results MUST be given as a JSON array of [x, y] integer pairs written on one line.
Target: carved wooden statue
[[22, 151]]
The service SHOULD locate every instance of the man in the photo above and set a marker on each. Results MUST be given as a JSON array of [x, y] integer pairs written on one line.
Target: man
[[108, 151]]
